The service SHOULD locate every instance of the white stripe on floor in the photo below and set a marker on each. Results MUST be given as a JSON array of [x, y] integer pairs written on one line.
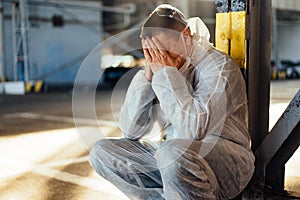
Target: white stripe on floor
[[66, 162], [12, 167], [79, 121], [20, 167], [90, 183]]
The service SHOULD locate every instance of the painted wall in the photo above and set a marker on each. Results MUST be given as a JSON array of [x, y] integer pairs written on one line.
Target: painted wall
[[55, 53], [289, 42]]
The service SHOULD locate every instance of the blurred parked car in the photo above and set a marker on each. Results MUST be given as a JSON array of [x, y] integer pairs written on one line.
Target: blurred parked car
[[119, 66], [292, 68], [278, 72], [113, 74]]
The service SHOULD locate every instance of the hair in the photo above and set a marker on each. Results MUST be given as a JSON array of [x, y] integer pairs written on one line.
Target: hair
[[165, 18]]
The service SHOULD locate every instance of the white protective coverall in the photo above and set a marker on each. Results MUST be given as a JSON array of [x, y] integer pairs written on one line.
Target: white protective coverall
[[204, 151]]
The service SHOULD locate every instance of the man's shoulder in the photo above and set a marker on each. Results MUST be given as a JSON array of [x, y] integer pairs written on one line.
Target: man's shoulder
[[217, 61]]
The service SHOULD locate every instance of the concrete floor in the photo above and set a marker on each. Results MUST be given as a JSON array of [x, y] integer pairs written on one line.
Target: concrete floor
[[44, 154]]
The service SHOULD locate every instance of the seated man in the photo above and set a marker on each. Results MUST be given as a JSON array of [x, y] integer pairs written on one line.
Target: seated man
[[197, 96]]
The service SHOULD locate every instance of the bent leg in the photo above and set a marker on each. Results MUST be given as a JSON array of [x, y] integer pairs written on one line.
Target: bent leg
[[221, 172], [185, 174], [129, 165]]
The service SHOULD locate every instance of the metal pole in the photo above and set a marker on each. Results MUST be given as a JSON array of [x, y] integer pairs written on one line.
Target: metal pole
[[14, 40], [275, 37], [258, 65], [259, 54], [2, 71], [23, 16], [258, 34], [101, 22]]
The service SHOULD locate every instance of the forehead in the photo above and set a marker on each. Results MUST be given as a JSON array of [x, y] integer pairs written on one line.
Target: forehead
[[165, 39]]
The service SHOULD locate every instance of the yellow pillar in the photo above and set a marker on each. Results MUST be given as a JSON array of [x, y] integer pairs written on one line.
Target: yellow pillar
[[231, 35]]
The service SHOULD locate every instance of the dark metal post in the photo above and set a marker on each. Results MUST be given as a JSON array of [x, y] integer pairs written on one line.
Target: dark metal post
[[279, 146], [259, 54], [258, 68]]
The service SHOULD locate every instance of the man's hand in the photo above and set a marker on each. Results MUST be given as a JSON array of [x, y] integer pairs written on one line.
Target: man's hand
[[148, 72], [160, 57], [156, 57]]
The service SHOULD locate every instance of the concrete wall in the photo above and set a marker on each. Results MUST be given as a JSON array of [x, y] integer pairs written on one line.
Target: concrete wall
[[286, 4], [55, 53], [205, 9], [289, 42]]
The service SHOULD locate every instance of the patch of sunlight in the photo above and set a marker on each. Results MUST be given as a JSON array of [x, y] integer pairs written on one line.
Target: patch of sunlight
[[293, 165], [292, 173], [275, 111], [19, 154]]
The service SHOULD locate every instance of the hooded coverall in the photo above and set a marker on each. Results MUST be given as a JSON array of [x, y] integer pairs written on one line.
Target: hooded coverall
[[204, 151]]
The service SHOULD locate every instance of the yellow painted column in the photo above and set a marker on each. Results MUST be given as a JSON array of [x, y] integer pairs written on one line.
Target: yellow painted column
[[231, 35]]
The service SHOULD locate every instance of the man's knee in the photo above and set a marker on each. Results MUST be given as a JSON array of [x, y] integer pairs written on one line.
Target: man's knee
[[97, 153], [171, 154], [178, 156]]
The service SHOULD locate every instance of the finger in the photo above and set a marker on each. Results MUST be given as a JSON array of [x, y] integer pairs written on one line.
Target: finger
[[146, 48], [154, 49], [158, 45], [166, 55], [167, 58], [174, 55], [179, 60], [147, 55], [151, 52], [160, 53], [145, 44]]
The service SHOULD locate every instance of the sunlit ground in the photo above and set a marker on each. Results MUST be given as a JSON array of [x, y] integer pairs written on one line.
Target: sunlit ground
[[37, 158], [54, 164], [281, 95], [292, 170]]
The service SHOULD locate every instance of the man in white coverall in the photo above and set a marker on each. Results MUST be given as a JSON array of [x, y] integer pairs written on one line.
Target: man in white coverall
[[197, 96]]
